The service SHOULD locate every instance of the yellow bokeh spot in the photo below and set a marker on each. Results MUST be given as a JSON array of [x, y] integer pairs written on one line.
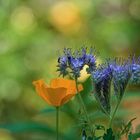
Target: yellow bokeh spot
[[22, 19], [65, 16]]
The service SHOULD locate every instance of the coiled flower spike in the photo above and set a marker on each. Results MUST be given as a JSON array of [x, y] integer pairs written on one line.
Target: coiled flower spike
[[102, 80], [121, 75], [135, 70]]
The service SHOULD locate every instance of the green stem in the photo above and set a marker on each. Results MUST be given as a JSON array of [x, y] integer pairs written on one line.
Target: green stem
[[83, 107], [57, 123], [112, 118]]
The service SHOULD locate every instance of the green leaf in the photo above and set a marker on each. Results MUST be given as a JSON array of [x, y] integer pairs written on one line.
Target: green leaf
[[109, 135], [23, 127], [88, 86], [47, 110], [95, 138], [127, 127], [133, 136], [89, 138], [26, 127]]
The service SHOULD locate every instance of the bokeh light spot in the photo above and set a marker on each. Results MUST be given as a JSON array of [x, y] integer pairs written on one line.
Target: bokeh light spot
[[9, 89], [65, 16], [23, 20], [134, 9]]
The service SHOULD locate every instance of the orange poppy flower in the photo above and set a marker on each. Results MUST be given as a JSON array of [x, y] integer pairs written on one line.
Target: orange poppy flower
[[59, 92]]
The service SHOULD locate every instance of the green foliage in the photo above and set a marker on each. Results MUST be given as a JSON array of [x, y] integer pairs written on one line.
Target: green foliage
[[34, 127], [27, 127], [127, 128], [87, 86], [109, 135], [133, 136], [89, 138], [47, 110]]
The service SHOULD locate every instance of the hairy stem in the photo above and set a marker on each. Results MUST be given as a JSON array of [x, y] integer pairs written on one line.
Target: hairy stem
[[114, 113], [57, 123], [84, 108]]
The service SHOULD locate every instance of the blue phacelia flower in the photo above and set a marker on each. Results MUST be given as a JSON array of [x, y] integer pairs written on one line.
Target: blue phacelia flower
[[62, 65], [102, 82], [76, 65], [135, 67], [74, 62], [121, 75], [89, 59]]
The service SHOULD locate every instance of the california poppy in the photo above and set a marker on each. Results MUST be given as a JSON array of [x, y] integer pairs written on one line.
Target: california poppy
[[59, 92]]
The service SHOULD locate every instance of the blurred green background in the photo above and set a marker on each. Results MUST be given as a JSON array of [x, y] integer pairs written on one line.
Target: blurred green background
[[32, 32]]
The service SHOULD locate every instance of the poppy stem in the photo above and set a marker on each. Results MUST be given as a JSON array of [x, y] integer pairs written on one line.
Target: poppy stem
[[57, 123], [84, 108]]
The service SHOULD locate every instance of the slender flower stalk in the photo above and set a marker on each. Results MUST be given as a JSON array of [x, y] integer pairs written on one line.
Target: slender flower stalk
[[72, 62], [84, 108], [57, 123], [114, 113]]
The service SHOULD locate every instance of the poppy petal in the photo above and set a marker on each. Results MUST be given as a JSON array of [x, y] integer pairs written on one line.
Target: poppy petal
[[55, 95], [39, 84], [41, 89], [67, 98], [59, 82], [73, 90]]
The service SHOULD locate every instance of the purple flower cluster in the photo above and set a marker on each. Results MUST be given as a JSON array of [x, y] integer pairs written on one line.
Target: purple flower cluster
[[75, 61], [102, 83], [135, 67], [118, 72], [121, 72]]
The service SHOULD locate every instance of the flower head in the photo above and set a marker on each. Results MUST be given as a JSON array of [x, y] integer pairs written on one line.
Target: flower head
[[75, 61], [121, 75], [76, 65], [89, 59], [135, 67], [59, 92], [63, 65], [102, 80]]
